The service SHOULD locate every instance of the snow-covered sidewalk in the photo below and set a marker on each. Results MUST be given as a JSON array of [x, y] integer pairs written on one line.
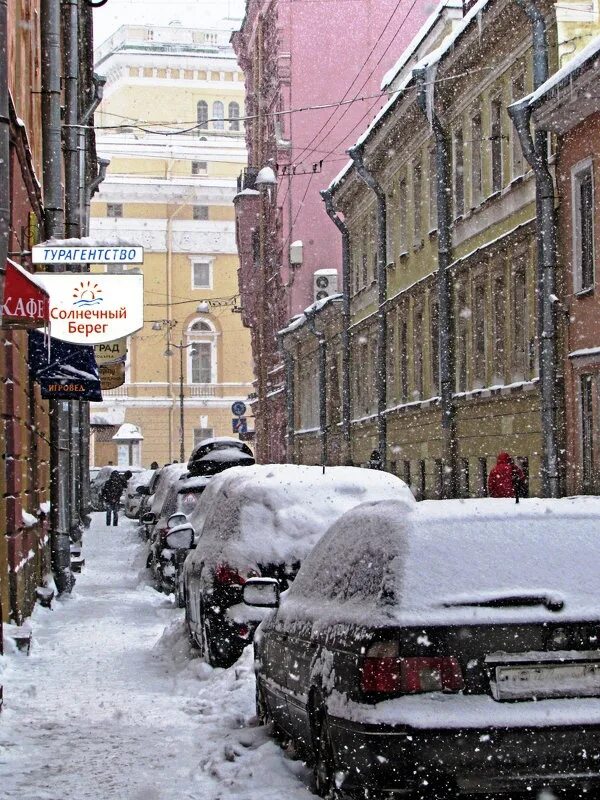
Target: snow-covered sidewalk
[[110, 705]]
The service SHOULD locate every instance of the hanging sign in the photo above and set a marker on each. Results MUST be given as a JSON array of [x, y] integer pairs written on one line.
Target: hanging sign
[[26, 302], [111, 375], [94, 309], [111, 352], [75, 251], [64, 371]]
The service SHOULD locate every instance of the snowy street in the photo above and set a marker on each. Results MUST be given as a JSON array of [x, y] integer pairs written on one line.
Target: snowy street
[[111, 704]]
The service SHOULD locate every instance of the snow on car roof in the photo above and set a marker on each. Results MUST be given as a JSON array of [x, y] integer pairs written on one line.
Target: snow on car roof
[[276, 513], [439, 562], [142, 478], [226, 454]]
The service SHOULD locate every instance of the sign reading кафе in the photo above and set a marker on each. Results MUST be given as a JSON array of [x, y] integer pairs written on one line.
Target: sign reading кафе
[[65, 253]]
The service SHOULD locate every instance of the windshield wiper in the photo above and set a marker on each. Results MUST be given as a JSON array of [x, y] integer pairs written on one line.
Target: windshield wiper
[[552, 603]]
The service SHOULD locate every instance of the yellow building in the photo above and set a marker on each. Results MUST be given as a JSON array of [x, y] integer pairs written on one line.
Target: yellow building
[[169, 123]]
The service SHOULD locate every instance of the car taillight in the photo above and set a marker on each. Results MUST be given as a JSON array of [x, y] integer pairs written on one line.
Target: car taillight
[[385, 672]]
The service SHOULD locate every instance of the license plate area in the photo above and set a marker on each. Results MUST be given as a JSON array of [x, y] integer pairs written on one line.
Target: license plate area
[[546, 681]]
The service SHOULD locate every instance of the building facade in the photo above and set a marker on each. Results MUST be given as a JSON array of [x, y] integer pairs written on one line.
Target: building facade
[[171, 125], [442, 285], [296, 56], [568, 107]]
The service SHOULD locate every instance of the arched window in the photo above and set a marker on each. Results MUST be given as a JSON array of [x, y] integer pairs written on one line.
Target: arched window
[[202, 115], [218, 115], [202, 360], [234, 116]]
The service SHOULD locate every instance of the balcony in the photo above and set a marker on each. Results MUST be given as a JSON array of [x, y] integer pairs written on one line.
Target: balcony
[[219, 390]]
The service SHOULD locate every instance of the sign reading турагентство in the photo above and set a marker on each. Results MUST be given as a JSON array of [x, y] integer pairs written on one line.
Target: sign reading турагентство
[[87, 254]]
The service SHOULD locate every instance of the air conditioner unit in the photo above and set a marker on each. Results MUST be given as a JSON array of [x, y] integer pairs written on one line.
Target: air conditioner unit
[[325, 283]]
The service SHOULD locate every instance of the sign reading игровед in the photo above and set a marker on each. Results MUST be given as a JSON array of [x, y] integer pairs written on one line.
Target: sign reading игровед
[[81, 253], [93, 309]]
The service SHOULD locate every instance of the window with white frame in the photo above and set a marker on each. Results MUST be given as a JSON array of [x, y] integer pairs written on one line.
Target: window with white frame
[[201, 274], [202, 366], [582, 184], [218, 112]]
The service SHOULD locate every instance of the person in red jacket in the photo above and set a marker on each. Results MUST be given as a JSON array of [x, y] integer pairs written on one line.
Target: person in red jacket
[[506, 479]]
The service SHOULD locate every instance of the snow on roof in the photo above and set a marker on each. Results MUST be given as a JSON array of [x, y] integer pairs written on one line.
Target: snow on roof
[[88, 241], [128, 431], [590, 52], [429, 23], [275, 513], [299, 320], [431, 58], [32, 277], [439, 562]]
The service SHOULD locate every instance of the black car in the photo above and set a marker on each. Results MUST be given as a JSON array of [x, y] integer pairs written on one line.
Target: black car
[[452, 647], [212, 456]]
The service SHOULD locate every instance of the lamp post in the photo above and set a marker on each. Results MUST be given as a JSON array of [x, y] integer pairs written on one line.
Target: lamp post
[[181, 347]]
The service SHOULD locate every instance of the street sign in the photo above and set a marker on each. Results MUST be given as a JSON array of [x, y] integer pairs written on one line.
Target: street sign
[[111, 375], [94, 309], [110, 352], [239, 425], [238, 408], [76, 251]]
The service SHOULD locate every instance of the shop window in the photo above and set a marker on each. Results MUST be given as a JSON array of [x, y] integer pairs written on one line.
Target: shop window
[[202, 115], [218, 112], [114, 210], [496, 143], [234, 116], [583, 238], [476, 161], [458, 162]]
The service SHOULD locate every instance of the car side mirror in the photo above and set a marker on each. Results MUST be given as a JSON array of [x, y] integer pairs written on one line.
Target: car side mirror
[[181, 538], [175, 520], [149, 518], [261, 592], [142, 490]]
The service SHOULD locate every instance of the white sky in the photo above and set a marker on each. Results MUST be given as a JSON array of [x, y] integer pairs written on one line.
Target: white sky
[[194, 13]]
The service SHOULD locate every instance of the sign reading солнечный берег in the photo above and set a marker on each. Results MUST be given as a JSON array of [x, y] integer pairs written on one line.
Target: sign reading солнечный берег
[[80, 253], [93, 309]]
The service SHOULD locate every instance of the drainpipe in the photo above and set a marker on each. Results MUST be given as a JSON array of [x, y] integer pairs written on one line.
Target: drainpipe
[[346, 397], [357, 155], [4, 149], [444, 283], [310, 318], [535, 150], [60, 542], [70, 11], [85, 193]]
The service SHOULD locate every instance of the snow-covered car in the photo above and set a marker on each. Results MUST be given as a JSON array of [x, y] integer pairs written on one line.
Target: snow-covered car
[[183, 494], [160, 487], [136, 487], [102, 476], [440, 647], [215, 455], [263, 520]]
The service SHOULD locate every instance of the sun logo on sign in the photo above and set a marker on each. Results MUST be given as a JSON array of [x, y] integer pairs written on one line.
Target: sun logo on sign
[[87, 294]]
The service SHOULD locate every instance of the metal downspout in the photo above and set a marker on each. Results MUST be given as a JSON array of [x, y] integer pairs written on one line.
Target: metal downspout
[[535, 150], [320, 336], [4, 148], [70, 12], [357, 155], [444, 284], [60, 542], [346, 396]]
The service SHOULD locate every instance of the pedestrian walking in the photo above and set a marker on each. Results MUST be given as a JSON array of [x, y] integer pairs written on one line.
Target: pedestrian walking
[[111, 495], [506, 479]]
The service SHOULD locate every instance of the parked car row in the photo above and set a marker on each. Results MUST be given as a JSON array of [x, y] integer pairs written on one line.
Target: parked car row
[[434, 648]]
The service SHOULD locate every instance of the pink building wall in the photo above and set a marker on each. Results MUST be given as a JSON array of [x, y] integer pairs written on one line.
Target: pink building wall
[[297, 55]]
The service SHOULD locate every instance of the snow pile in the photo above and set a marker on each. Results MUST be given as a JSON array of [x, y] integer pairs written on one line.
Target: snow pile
[[441, 563], [276, 513], [29, 520]]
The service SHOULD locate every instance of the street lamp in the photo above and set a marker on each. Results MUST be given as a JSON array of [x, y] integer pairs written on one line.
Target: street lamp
[[181, 347]]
